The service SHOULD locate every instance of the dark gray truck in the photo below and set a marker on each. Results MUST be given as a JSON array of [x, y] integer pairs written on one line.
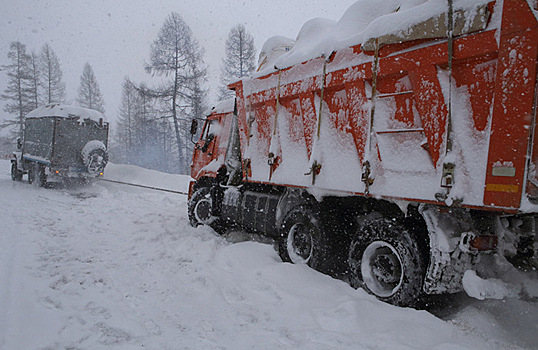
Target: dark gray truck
[[61, 143]]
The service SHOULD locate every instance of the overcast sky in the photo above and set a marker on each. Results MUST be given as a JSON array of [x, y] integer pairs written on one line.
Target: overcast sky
[[114, 36]]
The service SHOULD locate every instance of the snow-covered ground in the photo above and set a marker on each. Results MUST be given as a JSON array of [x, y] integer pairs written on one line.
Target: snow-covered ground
[[109, 266]]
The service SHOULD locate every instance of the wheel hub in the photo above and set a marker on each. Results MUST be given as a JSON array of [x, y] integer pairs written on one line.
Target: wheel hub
[[300, 244], [386, 268], [382, 269], [202, 210]]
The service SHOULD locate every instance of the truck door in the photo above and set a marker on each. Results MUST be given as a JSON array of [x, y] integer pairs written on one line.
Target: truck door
[[205, 148]]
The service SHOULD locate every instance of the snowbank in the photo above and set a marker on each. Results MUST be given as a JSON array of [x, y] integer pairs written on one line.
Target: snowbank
[[115, 267]]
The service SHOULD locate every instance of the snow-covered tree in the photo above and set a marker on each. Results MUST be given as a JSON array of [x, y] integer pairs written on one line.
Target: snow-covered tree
[[52, 76], [89, 94], [177, 56], [17, 93], [239, 58]]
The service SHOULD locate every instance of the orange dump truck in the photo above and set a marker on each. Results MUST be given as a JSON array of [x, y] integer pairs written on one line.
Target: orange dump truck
[[402, 157]]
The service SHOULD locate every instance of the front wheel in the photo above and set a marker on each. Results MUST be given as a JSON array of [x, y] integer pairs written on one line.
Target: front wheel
[[302, 240], [201, 210], [386, 261]]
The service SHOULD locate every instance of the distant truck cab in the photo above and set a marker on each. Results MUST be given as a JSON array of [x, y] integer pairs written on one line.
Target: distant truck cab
[[60, 143]]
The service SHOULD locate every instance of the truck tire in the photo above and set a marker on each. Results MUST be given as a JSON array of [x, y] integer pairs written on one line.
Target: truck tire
[[302, 240], [42, 176], [201, 208], [386, 261], [31, 174], [16, 174], [94, 156]]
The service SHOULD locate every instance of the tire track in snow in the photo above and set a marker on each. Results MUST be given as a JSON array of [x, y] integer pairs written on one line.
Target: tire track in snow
[[20, 247], [45, 246]]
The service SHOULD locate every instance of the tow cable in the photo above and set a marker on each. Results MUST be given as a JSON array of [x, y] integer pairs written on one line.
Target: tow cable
[[148, 187]]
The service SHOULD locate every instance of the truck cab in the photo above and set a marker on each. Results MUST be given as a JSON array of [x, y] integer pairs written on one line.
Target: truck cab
[[61, 142], [210, 150]]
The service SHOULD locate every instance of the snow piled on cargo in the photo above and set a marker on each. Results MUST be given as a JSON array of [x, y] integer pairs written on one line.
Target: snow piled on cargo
[[59, 110], [273, 48], [364, 20], [110, 266]]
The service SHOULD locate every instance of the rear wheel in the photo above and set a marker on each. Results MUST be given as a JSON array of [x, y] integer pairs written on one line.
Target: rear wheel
[[31, 174], [42, 176], [302, 240], [16, 174], [387, 262]]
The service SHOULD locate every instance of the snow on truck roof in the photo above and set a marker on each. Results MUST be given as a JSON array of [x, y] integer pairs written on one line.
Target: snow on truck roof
[[388, 21], [224, 106], [65, 111]]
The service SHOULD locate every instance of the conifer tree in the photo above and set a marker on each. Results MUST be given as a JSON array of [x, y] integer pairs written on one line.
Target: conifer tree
[[126, 122], [177, 56], [52, 76], [17, 97], [239, 58], [89, 94]]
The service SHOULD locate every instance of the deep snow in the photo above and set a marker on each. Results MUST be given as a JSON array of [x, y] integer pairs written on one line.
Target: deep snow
[[114, 267]]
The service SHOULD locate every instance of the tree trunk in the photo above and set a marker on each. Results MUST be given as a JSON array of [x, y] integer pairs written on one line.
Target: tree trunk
[[176, 125]]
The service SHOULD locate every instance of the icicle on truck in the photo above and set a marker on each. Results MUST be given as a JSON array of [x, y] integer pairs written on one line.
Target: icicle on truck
[[61, 143], [404, 161]]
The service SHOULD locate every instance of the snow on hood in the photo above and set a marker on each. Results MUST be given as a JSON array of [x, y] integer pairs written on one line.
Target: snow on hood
[[58, 110], [365, 19]]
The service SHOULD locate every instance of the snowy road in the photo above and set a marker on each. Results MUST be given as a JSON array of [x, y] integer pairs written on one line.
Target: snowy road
[[115, 267]]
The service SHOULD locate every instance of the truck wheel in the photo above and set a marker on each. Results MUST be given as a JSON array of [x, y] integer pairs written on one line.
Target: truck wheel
[[201, 209], [31, 174], [42, 176], [94, 156], [16, 174], [386, 261], [302, 240]]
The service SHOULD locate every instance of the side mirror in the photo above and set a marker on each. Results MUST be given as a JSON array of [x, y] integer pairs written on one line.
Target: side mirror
[[19, 143], [194, 126]]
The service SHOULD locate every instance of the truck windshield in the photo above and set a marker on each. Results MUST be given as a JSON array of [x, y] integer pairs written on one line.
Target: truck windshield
[[210, 129]]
